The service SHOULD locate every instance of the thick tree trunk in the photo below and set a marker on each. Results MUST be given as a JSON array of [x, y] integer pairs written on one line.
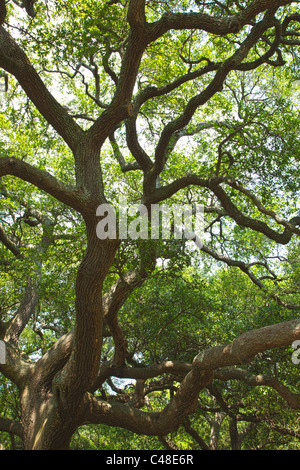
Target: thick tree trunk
[[44, 428], [52, 397]]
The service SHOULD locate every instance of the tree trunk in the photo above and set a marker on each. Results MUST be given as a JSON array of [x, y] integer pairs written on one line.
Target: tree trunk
[[44, 428], [53, 393], [215, 431], [234, 435]]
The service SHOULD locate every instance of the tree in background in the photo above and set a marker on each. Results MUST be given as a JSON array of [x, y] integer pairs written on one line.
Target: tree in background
[[159, 102]]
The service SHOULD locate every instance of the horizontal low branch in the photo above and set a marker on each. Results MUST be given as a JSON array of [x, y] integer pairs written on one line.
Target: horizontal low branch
[[197, 376], [243, 349], [150, 423], [144, 373], [10, 426]]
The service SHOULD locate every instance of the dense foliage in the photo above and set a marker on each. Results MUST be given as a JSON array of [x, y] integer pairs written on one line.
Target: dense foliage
[[149, 344]]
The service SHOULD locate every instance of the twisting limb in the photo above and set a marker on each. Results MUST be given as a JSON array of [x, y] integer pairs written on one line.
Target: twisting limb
[[242, 350], [235, 373], [14, 60], [120, 158], [214, 86], [217, 25], [257, 225], [42, 180], [117, 296], [10, 243]]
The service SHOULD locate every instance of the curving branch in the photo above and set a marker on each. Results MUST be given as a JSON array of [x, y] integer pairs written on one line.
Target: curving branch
[[11, 426], [230, 208], [218, 25], [9, 242], [14, 60], [151, 92], [257, 225], [23, 313], [140, 155], [42, 180], [234, 373], [214, 86], [18, 367], [125, 167], [242, 350], [115, 298]]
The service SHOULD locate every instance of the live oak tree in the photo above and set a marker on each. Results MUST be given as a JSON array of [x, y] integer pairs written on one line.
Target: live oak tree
[[186, 102]]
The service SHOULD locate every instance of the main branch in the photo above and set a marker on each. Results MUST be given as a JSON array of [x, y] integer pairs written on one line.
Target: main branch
[[240, 351], [14, 60]]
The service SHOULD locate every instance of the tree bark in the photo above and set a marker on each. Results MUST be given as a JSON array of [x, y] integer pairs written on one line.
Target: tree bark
[[55, 391]]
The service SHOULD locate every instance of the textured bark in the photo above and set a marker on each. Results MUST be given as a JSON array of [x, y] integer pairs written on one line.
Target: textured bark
[[56, 391], [2, 11], [215, 423]]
